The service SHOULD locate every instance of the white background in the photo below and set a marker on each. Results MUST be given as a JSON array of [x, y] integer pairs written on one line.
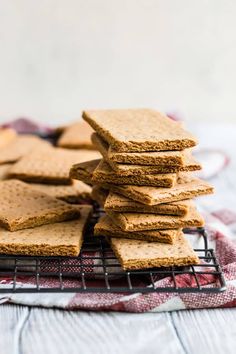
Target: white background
[[60, 56]]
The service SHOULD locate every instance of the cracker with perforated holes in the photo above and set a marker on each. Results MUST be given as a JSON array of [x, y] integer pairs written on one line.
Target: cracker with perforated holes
[[103, 174], [105, 227], [77, 136], [75, 193], [58, 239], [137, 221], [187, 187], [137, 254], [20, 147], [84, 171], [120, 203], [190, 163], [139, 130], [22, 206], [51, 165]]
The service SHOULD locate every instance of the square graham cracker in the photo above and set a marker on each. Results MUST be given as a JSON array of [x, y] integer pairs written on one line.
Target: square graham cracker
[[58, 239], [139, 130], [186, 188], [22, 206], [103, 174], [105, 227], [51, 165], [119, 203], [135, 221], [137, 254], [77, 136]]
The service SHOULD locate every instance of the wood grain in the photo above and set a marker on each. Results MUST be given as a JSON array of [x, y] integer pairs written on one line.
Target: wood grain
[[39, 331]]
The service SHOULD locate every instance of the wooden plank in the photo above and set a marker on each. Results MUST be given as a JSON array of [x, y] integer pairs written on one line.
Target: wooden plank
[[206, 331], [12, 321], [55, 331], [36, 331]]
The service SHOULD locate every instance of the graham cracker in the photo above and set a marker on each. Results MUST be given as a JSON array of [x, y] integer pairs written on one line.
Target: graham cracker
[[137, 221], [173, 158], [4, 170], [105, 227], [59, 239], [84, 171], [117, 202], [22, 206], [7, 135], [51, 165], [99, 194], [104, 174], [190, 163], [20, 147], [77, 136], [74, 194], [186, 188], [139, 130], [136, 254]]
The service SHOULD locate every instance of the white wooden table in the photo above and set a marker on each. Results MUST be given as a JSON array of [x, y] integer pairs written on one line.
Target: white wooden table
[[42, 331], [25, 330]]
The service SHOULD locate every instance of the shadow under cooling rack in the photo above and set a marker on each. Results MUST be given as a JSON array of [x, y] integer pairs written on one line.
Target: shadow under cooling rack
[[96, 269]]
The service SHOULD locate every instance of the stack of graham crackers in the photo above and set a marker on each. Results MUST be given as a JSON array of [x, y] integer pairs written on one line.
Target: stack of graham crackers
[[146, 186]]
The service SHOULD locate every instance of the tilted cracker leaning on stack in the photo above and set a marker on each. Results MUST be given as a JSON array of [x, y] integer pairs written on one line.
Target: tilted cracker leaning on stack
[[145, 185]]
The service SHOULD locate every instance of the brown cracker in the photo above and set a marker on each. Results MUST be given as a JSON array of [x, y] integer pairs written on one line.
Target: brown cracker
[[59, 239], [83, 171], [22, 207], [77, 136], [99, 194], [139, 130], [51, 165], [120, 203], [135, 254], [186, 188], [73, 194], [7, 135], [135, 221], [105, 227], [190, 163], [20, 147], [104, 174], [173, 158]]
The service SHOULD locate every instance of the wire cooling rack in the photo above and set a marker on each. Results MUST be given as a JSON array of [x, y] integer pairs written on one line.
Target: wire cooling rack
[[96, 269]]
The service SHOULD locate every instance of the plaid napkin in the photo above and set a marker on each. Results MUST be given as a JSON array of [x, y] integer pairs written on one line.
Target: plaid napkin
[[221, 225]]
